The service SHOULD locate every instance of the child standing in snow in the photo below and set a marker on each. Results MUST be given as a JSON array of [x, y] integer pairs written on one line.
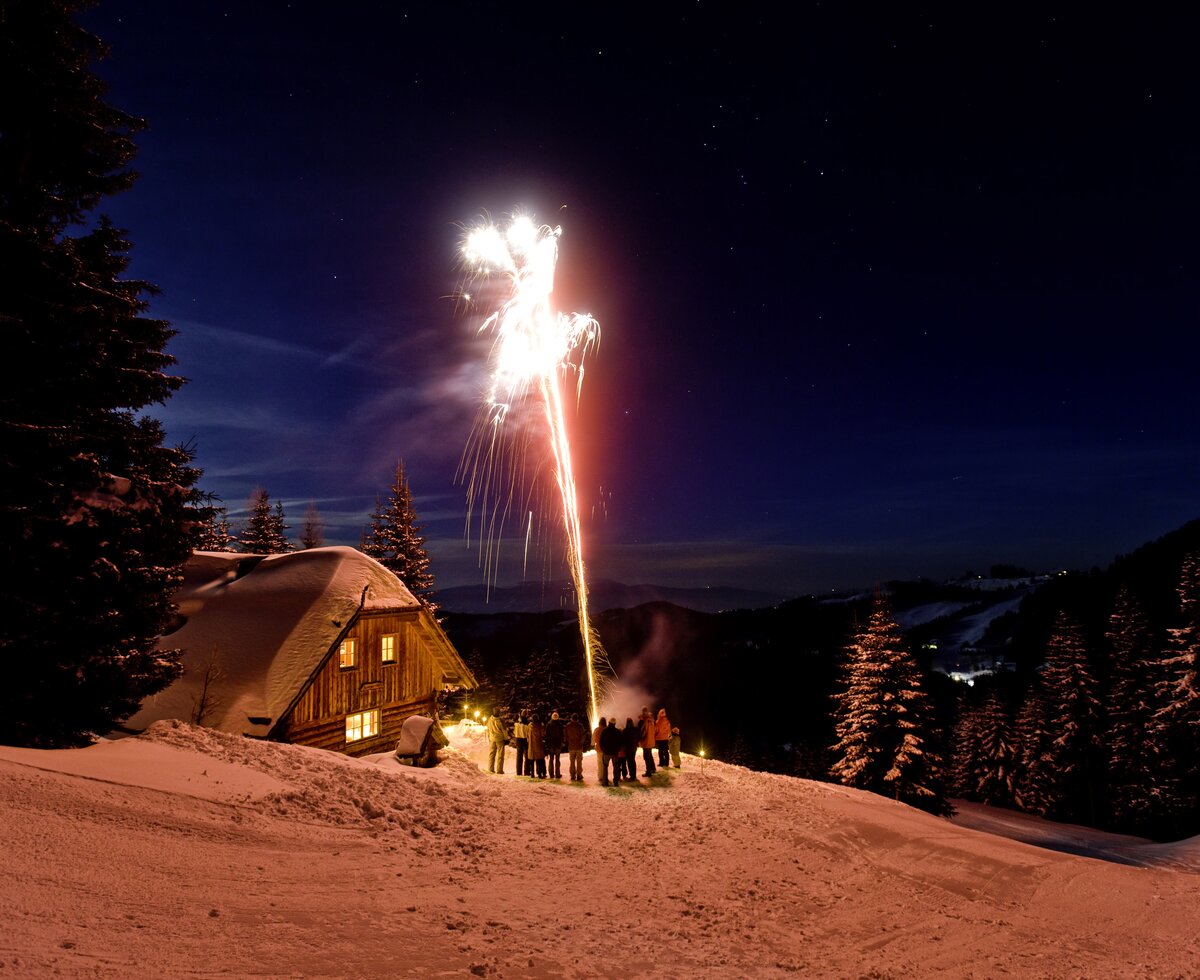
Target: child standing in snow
[[673, 745]]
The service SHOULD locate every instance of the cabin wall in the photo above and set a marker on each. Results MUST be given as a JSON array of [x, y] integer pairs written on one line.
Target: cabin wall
[[399, 690]]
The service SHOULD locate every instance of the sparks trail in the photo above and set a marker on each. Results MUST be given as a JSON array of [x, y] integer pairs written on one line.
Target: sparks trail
[[535, 349]]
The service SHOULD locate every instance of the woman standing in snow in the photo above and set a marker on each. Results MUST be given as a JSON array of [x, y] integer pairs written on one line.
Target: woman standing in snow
[[537, 748]]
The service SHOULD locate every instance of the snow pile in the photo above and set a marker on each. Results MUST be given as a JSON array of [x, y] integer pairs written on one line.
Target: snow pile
[[306, 863]]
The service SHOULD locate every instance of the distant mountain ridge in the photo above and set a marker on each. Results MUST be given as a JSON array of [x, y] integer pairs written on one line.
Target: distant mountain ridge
[[534, 597]]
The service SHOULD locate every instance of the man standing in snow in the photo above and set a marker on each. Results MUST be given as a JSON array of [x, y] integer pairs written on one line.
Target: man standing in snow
[[576, 744], [646, 740], [662, 735], [599, 754], [610, 747], [554, 745], [497, 737]]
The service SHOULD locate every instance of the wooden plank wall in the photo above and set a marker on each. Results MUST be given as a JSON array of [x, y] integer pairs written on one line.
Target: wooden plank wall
[[407, 687]]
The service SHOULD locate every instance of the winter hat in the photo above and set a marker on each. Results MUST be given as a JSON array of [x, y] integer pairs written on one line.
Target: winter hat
[[554, 716]]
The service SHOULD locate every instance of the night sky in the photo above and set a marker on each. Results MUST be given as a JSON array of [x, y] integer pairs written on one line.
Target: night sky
[[886, 295]]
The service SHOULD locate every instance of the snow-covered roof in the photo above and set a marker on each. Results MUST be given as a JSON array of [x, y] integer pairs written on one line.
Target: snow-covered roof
[[265, 624]]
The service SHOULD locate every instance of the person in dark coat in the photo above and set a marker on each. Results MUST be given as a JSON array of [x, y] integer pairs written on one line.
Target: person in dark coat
[[555, 735], [629, 742], [610, 748]]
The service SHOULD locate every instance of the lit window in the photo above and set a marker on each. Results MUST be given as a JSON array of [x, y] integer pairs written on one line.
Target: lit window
[[364, 724], [388, 644], [348, 654]]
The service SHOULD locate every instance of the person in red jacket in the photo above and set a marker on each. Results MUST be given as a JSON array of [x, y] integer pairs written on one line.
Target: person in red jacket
[[646, 739], [662, 736]]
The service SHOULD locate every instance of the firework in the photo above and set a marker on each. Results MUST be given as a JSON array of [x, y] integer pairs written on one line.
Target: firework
[[535, 351]]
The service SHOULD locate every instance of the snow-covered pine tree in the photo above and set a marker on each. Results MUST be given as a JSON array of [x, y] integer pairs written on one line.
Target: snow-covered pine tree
[[313, 533], [95, 512], [1033, 779], [1073, 722], [1141, 787], [1178, 691], [265, 532], [215, 533], [884, 719], [395, 540], [996, 753], [966, 756]]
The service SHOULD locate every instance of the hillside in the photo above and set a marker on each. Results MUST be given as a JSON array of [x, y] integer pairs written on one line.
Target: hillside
[[190, 852], [536, 597]]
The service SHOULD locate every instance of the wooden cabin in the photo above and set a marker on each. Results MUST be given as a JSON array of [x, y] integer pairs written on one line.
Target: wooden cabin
[[323, 647]]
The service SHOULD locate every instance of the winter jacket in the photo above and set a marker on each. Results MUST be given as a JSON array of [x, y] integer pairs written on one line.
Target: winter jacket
[[537, 741], [662, 726], [496, 730], [646, 726], [610, 740], [629, 737], [577, 737], [596, 736], [554, 735], [520, 729]]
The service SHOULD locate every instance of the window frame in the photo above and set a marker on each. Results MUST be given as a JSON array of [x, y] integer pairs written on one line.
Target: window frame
[[352, 643], [365, 731], [395, 638]]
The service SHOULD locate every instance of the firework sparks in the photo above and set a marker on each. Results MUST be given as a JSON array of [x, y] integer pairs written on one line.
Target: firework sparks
[[535, 349]]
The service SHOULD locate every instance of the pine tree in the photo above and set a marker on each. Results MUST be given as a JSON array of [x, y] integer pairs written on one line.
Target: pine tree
[[995, 784], [1177, 720], [265, 532], [1141, 787], [1073, 723], [395, 540], [215, 534], [313, 533], [884, 719], [95, 512], [1033, 782], [967, 758]]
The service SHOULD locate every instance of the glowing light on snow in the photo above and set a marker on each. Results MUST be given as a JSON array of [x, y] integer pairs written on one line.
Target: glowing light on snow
[[535, 349]]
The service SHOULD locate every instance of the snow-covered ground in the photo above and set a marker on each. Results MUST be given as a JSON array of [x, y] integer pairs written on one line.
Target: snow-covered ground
[[187, 852]]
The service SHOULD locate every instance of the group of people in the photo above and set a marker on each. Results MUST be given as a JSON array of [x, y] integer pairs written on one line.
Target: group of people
[[616, 748], [540, 745]]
